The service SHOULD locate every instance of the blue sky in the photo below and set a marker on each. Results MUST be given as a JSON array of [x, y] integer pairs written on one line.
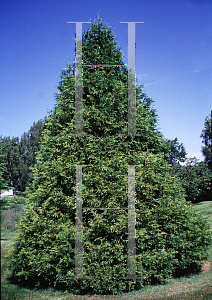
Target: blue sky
[[173, 58]]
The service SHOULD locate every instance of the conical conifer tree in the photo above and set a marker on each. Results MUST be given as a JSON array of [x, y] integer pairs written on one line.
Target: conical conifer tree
[[170, 237]]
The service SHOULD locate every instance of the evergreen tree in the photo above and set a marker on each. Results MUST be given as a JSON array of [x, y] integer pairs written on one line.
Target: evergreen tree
[[170, 237]]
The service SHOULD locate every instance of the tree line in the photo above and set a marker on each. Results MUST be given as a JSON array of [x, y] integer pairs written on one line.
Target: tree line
[[18, 156]]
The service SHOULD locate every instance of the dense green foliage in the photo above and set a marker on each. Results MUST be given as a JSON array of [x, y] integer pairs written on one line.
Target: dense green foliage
[[170, 237], [195, 178], [206, 135], [19, 156]]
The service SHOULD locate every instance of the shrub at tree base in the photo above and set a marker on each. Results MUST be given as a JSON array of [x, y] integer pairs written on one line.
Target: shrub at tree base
[[170, 237]]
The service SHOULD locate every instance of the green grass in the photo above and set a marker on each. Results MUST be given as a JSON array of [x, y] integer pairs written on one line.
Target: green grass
[[195, 287]]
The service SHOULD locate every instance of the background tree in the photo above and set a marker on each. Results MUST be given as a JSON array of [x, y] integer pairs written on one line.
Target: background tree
[[12, 172], [195, 177], [170, 237], [20, 156], [176, 152], [29, 147], [3, 184], [207, 140]]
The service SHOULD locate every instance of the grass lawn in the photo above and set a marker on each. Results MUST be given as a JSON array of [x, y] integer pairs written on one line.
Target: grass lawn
[[192, 287]]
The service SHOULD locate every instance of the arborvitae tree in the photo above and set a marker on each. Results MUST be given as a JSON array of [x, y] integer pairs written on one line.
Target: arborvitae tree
[[170, 237]]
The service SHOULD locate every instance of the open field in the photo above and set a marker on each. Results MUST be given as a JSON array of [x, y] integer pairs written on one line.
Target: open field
[[194, 286]]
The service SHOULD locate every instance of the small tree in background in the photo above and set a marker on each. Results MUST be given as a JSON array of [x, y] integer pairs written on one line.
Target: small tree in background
[[3, 183], [29, 147], [207, 140], [176, 152], [19, 156], [170, 237], [11, 160], [195, 177]]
